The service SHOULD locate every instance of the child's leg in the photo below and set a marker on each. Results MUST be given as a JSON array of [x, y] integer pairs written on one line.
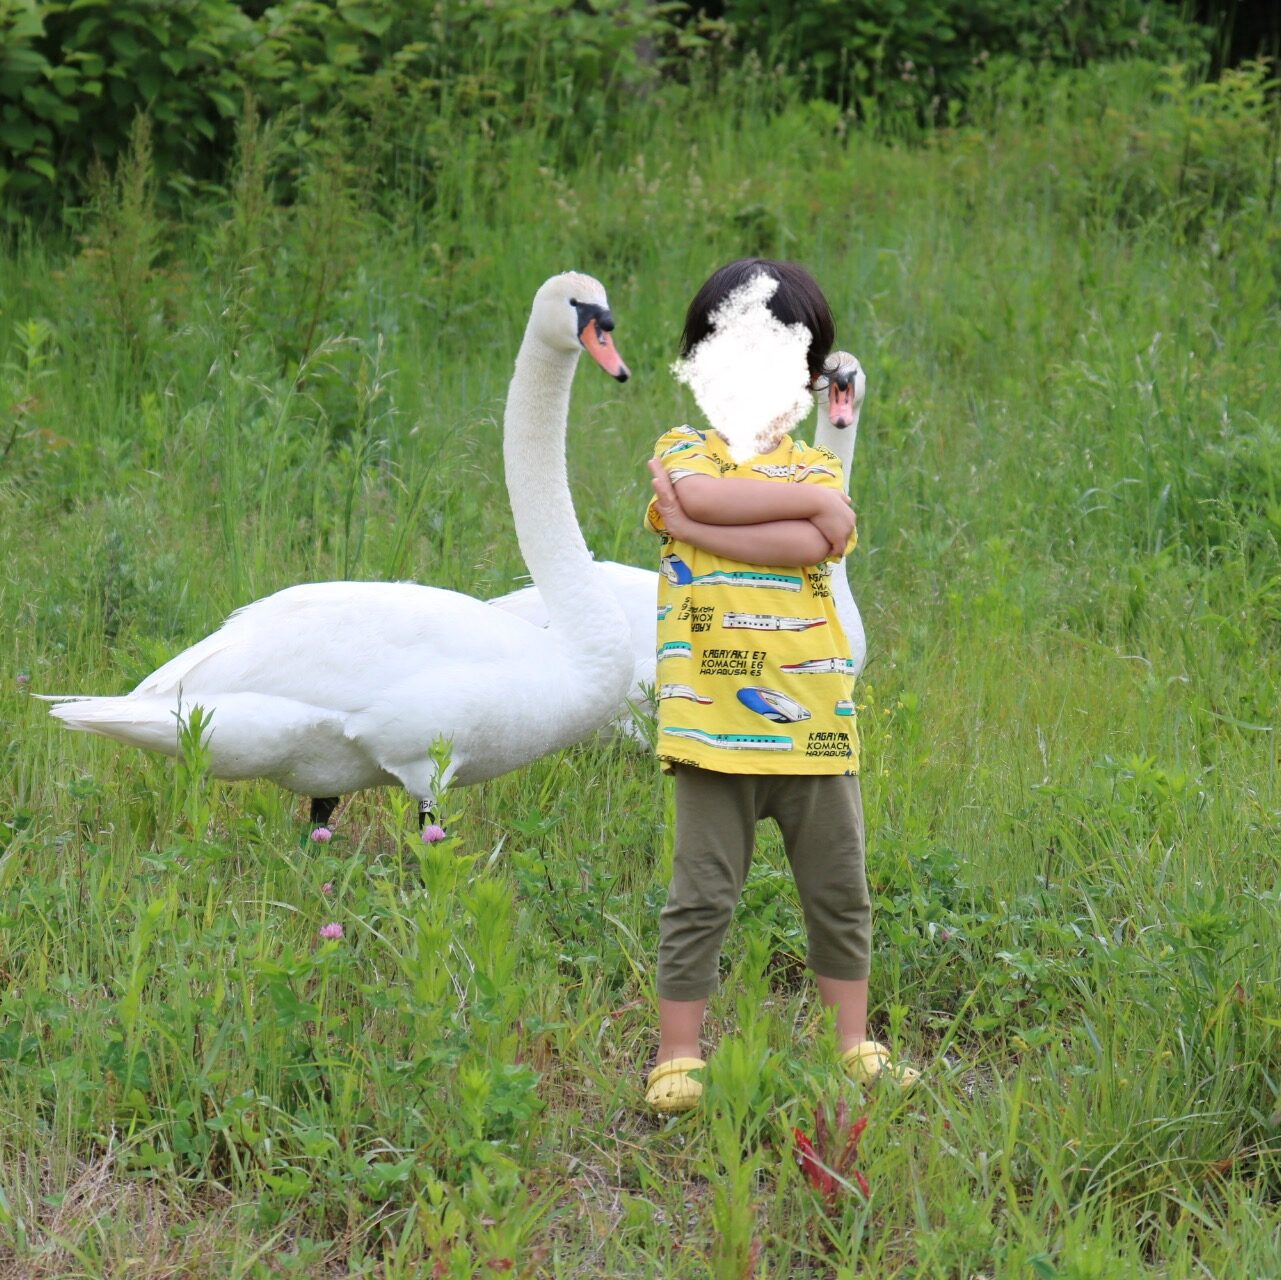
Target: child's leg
[[849, 999], [679, 1024], [821, 818], [715, 829]]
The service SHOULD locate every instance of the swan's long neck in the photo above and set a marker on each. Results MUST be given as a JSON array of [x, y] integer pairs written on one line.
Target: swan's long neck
[[579, 606], [840, 440]]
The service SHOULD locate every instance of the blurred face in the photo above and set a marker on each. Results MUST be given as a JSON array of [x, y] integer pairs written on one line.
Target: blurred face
[[749, 375]]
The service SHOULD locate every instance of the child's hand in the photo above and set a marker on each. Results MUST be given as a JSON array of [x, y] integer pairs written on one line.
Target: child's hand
[[669, 505], [834, 519]]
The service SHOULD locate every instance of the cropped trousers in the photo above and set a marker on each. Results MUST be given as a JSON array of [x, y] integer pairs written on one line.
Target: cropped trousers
[[821, 820]]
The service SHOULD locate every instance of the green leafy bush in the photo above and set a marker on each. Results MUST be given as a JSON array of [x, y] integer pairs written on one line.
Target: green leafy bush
[[319, 54], [898, 56], [73, 76], [75, 73]]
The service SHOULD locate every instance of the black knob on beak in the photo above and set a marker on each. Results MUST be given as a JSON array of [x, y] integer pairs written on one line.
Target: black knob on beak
[[591, 311]]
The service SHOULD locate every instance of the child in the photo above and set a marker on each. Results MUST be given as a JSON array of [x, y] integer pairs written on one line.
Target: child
[[755, 714]]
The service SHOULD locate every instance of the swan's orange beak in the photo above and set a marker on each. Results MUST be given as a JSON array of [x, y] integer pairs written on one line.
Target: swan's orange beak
[[840, 401], [594, 333]]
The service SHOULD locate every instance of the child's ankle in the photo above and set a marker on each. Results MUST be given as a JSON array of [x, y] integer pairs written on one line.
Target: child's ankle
[[670, 1052]]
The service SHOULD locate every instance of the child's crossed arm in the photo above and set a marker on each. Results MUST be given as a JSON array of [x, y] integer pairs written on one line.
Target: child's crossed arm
[[754, 521]]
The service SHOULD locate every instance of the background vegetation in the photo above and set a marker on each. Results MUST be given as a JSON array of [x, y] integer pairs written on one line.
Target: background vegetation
[[1068, 302], [74, 75]]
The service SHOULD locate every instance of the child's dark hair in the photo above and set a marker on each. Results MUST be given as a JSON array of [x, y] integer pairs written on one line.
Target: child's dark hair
[[797, 298]]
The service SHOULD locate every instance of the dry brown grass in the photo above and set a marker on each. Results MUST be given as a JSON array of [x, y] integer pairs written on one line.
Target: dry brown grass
[[98, 1220]]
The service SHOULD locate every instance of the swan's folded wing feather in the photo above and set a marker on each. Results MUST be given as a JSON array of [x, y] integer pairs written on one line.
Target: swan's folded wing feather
[[183, 667], [525, 603], [301, 643]]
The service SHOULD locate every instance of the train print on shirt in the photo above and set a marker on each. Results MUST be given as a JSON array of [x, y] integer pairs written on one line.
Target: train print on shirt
[[755, 672]]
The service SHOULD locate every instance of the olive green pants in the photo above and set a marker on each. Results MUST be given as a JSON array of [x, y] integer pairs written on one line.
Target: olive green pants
[[821, 818]]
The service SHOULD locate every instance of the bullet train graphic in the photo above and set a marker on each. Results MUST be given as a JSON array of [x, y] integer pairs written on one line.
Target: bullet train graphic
[[683, 691], [674, 649], [732, 621], [748, 578], [676, 571], [663, 611], [735, 741], [679, 574], [820, 667], [844, 707], [773, 705]]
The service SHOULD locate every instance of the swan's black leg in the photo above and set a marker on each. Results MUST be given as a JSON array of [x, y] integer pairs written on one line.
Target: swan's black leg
[[321, 809]]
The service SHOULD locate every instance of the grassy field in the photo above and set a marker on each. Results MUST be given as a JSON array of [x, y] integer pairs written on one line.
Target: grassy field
[[1069, 492]]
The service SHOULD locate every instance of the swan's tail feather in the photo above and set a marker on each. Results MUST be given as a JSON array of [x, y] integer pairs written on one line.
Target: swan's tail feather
[[140, 722]]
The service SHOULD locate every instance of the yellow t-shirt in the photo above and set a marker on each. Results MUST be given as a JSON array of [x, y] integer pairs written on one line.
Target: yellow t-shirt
[[754, 670]]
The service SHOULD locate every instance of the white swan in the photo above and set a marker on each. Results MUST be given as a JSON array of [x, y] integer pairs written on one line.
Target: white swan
[[636, 590], [330, 687]]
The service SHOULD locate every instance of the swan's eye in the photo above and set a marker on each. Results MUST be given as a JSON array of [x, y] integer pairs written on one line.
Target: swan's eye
[[573, 302]]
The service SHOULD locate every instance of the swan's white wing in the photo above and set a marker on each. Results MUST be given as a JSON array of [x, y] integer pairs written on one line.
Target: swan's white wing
[[339, 645], [525, 603], [167, 678], [328, 687], [252, 735]]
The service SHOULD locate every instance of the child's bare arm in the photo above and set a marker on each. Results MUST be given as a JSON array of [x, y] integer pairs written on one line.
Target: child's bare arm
[[738, 500], [792, 543], [735, 500], [787, 543]]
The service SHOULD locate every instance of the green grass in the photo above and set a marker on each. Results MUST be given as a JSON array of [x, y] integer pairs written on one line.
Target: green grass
[[1069, 488]]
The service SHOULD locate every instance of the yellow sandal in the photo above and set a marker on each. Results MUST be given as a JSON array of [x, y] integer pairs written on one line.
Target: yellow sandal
[[670, 1086], [868, 1061]]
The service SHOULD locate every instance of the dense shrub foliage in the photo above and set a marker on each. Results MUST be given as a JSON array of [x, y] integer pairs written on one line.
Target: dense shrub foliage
[[904, 56], [74, 75]]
